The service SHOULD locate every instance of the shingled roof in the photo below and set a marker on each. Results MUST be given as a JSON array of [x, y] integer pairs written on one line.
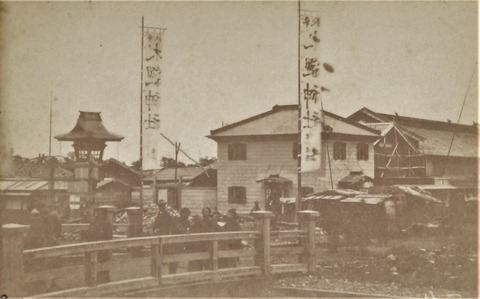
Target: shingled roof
[[168, 174]]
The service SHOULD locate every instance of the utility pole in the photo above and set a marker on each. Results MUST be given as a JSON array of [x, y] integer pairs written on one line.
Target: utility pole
[[177, 149], [50, 159]]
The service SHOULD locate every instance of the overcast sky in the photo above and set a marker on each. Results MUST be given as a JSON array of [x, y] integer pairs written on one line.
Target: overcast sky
[[225, 62]]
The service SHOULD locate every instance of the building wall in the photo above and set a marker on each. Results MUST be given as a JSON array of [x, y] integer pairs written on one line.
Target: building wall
[[455, 166], [196, 198], [276, 157]]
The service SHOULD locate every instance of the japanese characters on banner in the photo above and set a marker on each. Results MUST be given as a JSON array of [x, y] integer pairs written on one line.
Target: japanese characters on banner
[[152, 71], [310, 88]]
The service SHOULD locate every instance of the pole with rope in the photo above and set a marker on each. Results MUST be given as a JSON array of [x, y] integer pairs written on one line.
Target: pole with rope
[[459, 116]]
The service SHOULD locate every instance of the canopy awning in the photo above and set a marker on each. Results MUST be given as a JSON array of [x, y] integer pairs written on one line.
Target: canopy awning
[[355, 178], [436, 187], [288, 199], [417, 192], [333, 194], [275, 179], [371, 199]]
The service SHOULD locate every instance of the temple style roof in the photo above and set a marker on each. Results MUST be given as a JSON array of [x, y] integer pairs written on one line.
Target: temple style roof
[[89, 126]]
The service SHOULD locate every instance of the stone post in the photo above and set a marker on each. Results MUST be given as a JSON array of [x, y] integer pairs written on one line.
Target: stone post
[[307, 222], [262, 224], [135, 221], [13, 278]]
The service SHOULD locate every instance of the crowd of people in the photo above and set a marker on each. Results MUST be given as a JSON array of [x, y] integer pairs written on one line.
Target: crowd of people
[[208, 222], [45, 231]]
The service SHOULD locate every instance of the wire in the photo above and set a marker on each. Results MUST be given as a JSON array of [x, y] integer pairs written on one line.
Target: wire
[[459, 116]]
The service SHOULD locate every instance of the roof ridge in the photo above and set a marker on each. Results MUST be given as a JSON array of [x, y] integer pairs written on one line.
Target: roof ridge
[[277, 108], [274, 109], [353, 123]]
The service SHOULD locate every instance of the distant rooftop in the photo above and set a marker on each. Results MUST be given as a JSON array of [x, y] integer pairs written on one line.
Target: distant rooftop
[[436, 135]]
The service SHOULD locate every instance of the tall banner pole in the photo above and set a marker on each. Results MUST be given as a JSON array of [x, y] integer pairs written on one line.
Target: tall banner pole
[[141, 121], [299, 151], [310, 88], [152, 62]]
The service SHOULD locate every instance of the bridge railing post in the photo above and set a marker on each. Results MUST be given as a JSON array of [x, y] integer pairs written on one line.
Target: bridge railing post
[[214, 256], [306, 221], [13, 276], [262, 224], [156, 256], [91, 266]]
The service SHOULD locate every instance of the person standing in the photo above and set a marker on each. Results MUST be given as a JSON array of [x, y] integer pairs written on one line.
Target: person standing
[[162, 223], [216, 218], [255, 208], [55, 223], [179, 226], [100, 229], [232, 225], [163, 227], [40, 233], [207, 226]]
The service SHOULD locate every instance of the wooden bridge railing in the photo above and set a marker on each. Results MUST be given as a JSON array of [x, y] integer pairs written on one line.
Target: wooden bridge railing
[[149, 267]]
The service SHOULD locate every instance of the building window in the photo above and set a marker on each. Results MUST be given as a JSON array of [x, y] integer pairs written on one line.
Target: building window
[[75, 202], [96, 155], [339, 151], [237, 151], [295, 150], [237, 195], [14, 204], [362, 151], [83, 155]]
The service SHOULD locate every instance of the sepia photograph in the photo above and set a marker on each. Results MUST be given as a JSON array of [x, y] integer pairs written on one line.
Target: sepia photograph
[[239, 149]]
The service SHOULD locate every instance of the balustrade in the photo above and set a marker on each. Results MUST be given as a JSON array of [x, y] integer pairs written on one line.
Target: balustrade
[[148, 269]]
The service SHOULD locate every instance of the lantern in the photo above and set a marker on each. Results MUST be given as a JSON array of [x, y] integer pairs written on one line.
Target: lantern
[[89, 137]]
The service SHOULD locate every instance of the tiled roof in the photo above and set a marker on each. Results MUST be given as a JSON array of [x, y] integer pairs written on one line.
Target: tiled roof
[[41, 170], [436, 136], [168, 174], [437, 142], [283, 119], [29, 185]]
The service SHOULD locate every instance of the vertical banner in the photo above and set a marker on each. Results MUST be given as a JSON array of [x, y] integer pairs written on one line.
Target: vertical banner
[[152, 71], [311, 106]]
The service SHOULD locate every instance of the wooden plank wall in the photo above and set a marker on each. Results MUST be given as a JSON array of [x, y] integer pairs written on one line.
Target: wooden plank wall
[[276, 157]]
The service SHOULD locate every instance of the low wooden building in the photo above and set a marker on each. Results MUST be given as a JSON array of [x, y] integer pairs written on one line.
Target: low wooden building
[[198, 188], [421, 151], [20, 196]]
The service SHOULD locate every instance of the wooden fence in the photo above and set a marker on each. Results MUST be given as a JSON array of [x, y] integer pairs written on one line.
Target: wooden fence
[[76, 270]]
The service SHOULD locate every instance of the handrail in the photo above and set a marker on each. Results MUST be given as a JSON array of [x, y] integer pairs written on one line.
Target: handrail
[[89, 247], [171, 239], [289, 233], [135, 242]]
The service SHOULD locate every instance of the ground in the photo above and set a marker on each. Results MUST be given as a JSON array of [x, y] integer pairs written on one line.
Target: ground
[[424, 264], [439, 265]]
